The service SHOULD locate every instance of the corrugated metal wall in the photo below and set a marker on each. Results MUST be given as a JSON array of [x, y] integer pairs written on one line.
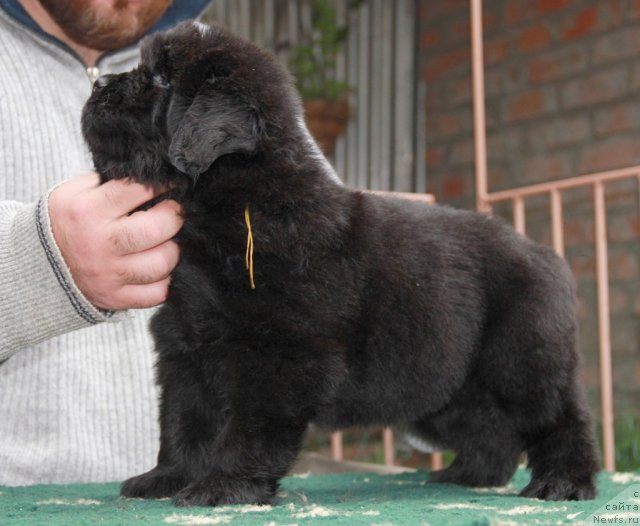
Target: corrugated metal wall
[[383, 147]]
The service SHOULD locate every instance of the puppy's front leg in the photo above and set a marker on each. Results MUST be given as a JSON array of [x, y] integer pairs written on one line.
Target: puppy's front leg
[[252, 454], [269, 397], [172, 472]]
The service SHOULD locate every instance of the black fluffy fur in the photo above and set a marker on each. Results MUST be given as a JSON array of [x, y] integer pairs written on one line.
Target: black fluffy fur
[[367, 310]]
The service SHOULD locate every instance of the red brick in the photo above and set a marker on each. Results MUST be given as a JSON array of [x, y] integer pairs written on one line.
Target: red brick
[[583, 24], [544, 70], [455, 186], [496, 50], [578, 232], [583, 308], [617, 45], [444, 125], [434, 10], [526, 106], [446, 63], [622, 193], [434, 98], [435, 154], [618, 300], [534, 38], [635, 77], [514, 12], [634, 9], [602, 86], [623, 228], [512, 77], [459, 90], [493, 83], [591, 375], [429, 39], [546, 168], [605, 155], [583, 266], [560, 131], [461, 152], [618, 118], [454, 6], [434, 185], [489, 22], [614, 12], [505, 144], [565, 62], [623, 265], [544, 7], [497, 178], [579, 200], [459, 31]]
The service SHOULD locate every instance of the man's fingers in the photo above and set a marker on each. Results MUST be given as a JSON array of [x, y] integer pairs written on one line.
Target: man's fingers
[[146, 229], [119, 261], [151, 265], [139, 296], [120, 197]]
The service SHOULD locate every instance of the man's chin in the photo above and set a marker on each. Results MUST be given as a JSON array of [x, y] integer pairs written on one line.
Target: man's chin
[[96, 25]]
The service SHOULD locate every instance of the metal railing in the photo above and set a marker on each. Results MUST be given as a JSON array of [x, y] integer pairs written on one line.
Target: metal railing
[[554, 190], [485, 200]]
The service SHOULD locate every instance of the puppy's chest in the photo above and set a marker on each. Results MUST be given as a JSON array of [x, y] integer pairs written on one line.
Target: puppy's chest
[[219, 236]]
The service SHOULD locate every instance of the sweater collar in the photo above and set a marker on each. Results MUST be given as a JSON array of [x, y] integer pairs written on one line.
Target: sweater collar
[[178, 11]]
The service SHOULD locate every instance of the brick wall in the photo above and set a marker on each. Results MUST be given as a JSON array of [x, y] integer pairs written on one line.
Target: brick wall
[[563, 99]]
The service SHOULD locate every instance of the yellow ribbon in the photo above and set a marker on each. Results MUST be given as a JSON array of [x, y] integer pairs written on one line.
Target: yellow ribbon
[[249, 254]]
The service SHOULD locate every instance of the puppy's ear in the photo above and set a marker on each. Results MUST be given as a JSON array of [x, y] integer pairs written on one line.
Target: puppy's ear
[[215, 124]]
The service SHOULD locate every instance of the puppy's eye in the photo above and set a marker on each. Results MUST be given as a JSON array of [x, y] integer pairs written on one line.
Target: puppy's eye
[[160, 81]]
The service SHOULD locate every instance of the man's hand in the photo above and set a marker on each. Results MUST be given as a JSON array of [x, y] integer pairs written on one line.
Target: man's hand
[[118, 261]]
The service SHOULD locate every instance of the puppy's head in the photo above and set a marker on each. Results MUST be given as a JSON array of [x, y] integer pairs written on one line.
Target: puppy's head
[[198, 94]]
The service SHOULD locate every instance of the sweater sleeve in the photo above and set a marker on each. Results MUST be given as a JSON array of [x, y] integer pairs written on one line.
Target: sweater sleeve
[[38, 298]]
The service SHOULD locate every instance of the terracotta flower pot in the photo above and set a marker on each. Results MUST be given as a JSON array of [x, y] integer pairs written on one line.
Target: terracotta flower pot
[[326, 120]]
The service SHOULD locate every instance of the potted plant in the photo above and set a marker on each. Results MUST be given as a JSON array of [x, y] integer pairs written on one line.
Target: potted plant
[[313, 62]]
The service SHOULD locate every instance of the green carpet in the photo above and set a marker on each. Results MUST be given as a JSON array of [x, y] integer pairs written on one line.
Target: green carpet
[[360, 499]]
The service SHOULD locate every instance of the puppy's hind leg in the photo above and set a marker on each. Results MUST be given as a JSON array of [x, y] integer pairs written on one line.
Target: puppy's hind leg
[[563, 457], [486, 444]]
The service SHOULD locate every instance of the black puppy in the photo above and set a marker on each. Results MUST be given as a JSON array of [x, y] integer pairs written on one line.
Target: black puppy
[[299, 300]]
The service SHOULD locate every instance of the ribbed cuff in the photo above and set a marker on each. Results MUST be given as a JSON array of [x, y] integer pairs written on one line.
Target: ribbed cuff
[[41, 299], [45, 234]]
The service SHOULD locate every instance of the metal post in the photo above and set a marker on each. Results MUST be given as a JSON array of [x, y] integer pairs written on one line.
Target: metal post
[[604, 327], [479, 119]]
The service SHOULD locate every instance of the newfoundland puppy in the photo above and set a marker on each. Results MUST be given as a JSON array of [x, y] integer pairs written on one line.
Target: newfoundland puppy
[[299, 300]]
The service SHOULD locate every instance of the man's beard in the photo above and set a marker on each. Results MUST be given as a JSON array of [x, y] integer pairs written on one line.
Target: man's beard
[[97, 26]]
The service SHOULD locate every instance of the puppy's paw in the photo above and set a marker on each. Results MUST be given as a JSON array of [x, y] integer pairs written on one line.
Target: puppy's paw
[[220, 491], [155, 484], [559, 489]]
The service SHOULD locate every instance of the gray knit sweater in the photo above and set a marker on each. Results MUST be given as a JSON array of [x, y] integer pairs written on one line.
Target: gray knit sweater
[[77, 396]]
